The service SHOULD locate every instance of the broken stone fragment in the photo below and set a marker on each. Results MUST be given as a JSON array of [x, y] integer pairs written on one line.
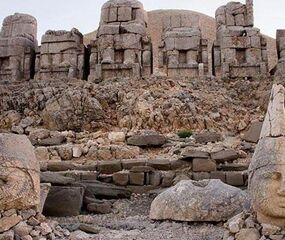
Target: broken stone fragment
[[208, 200]]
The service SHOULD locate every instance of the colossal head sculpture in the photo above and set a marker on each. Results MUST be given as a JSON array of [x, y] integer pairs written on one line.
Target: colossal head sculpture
[[267, 169], [19, 173], [17, 47]]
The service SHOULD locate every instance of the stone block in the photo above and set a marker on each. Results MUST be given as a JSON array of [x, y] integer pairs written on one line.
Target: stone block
[[113, 14], [124, 14], [109, 167], [204, 165], [167, 179], [235, 178], [130, 163], [253, 56], [137, 178], [239, 20], [218, 175], [198, 176], [225, 156], [155, 178], [64, 201], [160, 164], [121, 178], [145, 169]]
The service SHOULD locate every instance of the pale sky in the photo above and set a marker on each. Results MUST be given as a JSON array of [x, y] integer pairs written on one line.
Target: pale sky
[[85, 14]]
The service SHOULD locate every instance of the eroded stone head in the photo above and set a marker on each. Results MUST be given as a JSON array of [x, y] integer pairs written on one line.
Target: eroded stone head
[[19, 173], [267, 169]]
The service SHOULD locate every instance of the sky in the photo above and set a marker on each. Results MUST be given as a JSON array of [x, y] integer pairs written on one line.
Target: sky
[[85, 14]]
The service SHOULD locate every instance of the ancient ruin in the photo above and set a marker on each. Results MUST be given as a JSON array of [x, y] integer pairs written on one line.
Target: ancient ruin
[[267, 169], [61, 55], [122, 47], [18, 42], [153, 126], [183, 52], [239, 50]]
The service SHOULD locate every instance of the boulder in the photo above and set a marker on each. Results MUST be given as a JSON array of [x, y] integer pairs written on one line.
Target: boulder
[[64, 201], [207, 200], [147, 139], [19, 173]]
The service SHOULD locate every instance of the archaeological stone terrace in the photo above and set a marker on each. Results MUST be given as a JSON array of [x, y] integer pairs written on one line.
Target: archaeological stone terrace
[[166, 124], [123, 47]]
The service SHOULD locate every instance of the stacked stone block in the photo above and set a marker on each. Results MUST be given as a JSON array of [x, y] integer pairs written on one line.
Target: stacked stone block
[[239, 50], [17, 47], [182, 52], [122, 47], [61, 55]]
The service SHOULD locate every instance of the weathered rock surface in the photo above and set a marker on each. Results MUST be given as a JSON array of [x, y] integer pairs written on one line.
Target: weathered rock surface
[[19, 173], [199, 201], [71, 110]]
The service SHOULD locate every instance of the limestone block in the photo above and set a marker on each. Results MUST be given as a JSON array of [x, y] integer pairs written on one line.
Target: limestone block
[[187, 43], [109, 29], [124, 14], [255, 42], [192, 57], [108, 56], [19, 179], [239, 20], [253, 55], [134, 28], [127, 41], [204, 165], [113, 14], [230, 20], [129, 56]]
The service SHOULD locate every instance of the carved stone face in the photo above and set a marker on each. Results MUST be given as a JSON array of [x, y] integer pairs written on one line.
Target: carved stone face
[[19, 173], [267, 186]]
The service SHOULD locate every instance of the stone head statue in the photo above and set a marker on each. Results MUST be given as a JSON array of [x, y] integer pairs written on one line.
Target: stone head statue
[[267, 169], [19, 173]]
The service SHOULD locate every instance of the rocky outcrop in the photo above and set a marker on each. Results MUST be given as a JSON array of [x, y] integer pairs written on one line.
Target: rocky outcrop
[[208, 200]]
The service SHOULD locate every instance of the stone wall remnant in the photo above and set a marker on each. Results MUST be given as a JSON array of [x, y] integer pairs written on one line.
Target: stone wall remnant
[[122, 47], [267, 169], [239, 50], [182, 51], [61, 55], [19, 173], [18, 41]]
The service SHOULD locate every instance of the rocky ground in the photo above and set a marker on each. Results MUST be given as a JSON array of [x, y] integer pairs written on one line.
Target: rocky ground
[[129, 220]]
